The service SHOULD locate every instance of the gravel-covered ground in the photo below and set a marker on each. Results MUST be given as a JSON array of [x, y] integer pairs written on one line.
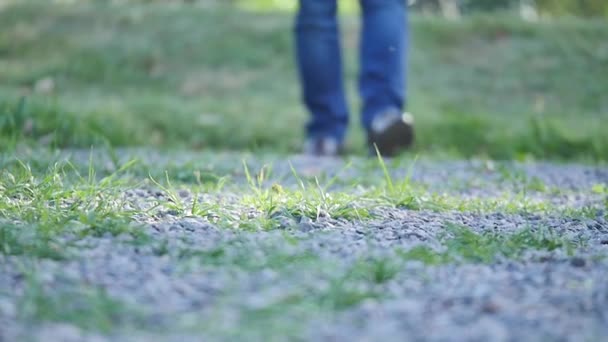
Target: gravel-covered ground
[[326, 277]]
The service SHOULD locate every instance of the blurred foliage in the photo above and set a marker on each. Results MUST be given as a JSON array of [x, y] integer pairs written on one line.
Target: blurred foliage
[[175, 74], [585, 8], [575, 7]]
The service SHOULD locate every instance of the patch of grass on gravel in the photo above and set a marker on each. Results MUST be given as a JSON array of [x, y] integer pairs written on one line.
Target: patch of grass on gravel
[[42, 205], [461, 244], [188, 173], [309, 200], [54, 198], [88, 308], [28, 240], [365, 279], [505, 203], [233, 254], [378, 270], [330, 290], [36, 208], [344, 293], [77, 198], [403, 193], [602, 189], [324, 293]]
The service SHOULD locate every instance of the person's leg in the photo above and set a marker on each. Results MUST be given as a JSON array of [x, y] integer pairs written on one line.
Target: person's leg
[[383, 53], [320, 68]]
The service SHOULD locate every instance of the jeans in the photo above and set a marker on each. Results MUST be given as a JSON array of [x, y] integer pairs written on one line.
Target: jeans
[[382, 54]]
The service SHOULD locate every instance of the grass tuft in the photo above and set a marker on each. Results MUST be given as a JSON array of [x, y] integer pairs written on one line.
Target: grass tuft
[[28, 241], [87, 308], [462, 244]]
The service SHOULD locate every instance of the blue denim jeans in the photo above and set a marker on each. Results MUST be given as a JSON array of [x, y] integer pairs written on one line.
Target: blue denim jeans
[[382, 53]]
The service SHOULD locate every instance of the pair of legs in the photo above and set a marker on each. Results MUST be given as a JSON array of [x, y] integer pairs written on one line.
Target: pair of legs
[[383, 51]]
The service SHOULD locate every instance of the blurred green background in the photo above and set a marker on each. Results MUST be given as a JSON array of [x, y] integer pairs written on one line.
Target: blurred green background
[[499, 79], [583, 8]]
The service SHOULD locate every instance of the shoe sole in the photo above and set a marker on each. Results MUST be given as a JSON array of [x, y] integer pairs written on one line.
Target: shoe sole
[[397, 137]]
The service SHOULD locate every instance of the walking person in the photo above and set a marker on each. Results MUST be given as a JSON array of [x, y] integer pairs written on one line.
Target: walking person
[[382, 77]]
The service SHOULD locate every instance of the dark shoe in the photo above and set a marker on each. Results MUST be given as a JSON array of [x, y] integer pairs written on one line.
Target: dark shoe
[[391, 133], [323, 147]]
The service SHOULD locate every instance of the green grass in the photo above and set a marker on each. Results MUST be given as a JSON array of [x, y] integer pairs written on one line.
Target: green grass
[[61, 195], [366, 279], [40, 204], [398, 193], [181, 77], [224, 78], [38, 207], [377, 270], [29, 241], [461, 244], [458, 244], [229, 255], [45, 210], [602, 189], [310, 200], [87, 308]]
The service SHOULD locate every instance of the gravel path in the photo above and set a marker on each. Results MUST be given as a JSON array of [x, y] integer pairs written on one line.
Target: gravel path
[[308, 279]]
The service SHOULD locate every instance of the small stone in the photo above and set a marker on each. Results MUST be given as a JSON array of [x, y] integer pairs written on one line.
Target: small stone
[[323, 214], [7, 308], [545, 258], [61, 332], [448, 303], [490, 307], [45, 85], [578, 262], [305, 227]]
